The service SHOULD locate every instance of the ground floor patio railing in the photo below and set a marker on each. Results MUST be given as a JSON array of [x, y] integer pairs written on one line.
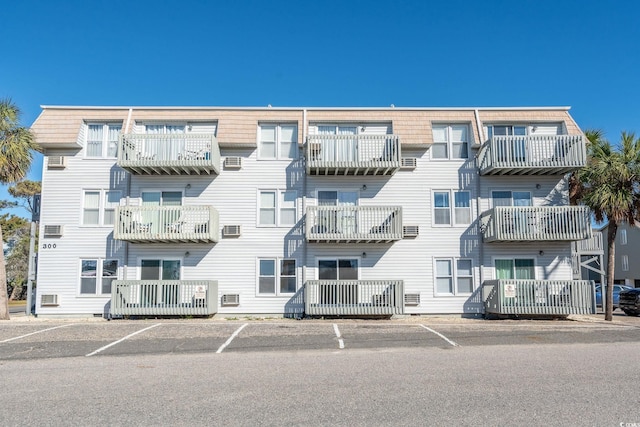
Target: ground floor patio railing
[[164, 297], [539, 297], [354, 297]]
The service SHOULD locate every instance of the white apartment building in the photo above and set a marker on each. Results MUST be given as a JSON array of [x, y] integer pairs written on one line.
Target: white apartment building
[[287, 211]]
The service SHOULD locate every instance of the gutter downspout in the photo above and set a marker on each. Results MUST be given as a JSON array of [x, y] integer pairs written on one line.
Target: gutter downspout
[[482, 137], [128, 194], [304, 201]]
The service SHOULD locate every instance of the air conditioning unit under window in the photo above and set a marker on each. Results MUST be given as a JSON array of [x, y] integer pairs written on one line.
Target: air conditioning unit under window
[[408, 163], [233, 162], [49, 300], [411, 299], [410, 231], [230, 299], [231, 231], [57, 162], [52, 231]]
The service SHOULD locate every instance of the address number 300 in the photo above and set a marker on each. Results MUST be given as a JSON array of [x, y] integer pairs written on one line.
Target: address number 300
[[48, 246]]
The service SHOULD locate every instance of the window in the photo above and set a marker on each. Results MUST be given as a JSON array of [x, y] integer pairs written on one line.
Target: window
[[623, 237], [99, 207], [342, 218], [511, 198], [454, 276], [442, 207], [338, 269], [450, 142], [165, 128], [163, 272], [96, 276], [625, 262], [276, 276], [160, 269], [277, 208], [278, 141], [102, 140], [506, 130], [515, 268]]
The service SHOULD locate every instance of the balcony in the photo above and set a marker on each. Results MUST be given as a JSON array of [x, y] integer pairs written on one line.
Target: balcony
[[169, 154], [539, 297], [536, 224], [354, 297], [164, 298], [532, 155], [593, 245], [167, 224], [353, 154], [354, 224]]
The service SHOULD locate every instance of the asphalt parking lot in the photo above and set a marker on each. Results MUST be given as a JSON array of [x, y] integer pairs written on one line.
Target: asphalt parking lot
[[58, 339]]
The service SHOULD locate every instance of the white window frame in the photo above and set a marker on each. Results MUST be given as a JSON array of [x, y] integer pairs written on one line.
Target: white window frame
[[449, 142], [279, 155], [488, 128], [625, 262], [139, 260], [513, 258], [278, 208], [454, 277], [337, 258], [104, 205], [105, 140], [163, 190], [99, 276], [623, 237], [277, 276], [164, 126], [451, 208], [511, 191]]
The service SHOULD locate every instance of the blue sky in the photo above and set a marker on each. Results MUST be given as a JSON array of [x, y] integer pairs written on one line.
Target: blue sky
[[583, 54]]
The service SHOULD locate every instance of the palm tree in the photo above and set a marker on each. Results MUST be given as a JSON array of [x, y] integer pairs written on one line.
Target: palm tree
[[17, 145], [610, 186]]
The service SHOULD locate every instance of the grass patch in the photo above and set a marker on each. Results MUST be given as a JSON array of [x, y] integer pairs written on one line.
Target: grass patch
[[13, 303]]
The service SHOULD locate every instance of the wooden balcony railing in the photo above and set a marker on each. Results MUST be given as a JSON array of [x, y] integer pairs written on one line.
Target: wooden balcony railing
[[593, 245], [353, 154], [539, 297], [532, 155], [164, 297], [536, 223], [354, 224], [151, 224], [169, 154], [354, 297]]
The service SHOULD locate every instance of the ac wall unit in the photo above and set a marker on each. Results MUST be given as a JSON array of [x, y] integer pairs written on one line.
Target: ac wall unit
[[231, 231], [231, 299], [410, 231], [408, 163], [57, 162], [52, 231], [411, 299], [49, 300], [233, 162]]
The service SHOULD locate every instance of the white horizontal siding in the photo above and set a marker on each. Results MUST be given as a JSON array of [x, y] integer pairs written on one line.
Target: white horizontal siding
[[59, 266], [198, 127], [232, 261]]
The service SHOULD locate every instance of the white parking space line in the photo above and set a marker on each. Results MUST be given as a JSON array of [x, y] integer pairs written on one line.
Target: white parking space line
[[441, 336], [340, 340], [235, 334], [37, 332], [122, 339]]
